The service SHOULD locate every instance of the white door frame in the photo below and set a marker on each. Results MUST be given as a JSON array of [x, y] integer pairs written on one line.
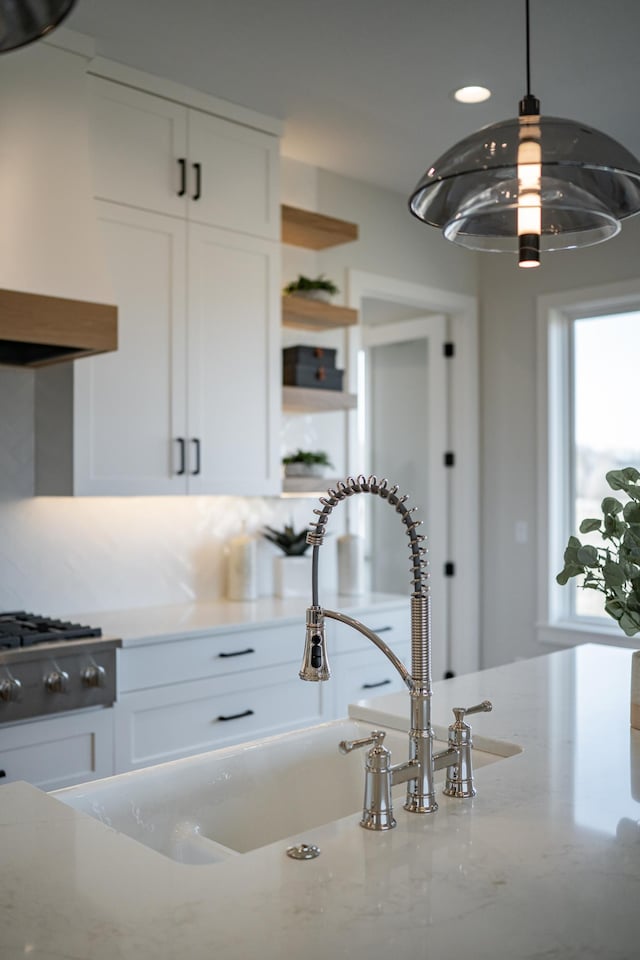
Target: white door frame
[[463, 396]]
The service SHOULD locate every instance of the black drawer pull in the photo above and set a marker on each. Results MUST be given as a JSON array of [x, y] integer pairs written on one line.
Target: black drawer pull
[[238, 653], [196, 442], [198, 171], [236, 716], [180, 470], [3, 773], [371, 686], [383, 630], [182, 163]]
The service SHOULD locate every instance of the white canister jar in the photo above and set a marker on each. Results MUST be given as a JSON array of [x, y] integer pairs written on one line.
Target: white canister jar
[[242, 568], [350, 565]]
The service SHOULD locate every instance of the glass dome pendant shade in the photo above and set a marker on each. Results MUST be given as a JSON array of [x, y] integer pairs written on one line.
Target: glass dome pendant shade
[[22, 21], [530, 184]]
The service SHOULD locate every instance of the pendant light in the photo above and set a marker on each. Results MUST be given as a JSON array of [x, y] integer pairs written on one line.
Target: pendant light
[[22, 21], [528, 184]]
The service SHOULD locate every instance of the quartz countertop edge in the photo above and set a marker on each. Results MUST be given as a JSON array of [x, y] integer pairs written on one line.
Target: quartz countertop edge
[[543, 863], [138, 626]]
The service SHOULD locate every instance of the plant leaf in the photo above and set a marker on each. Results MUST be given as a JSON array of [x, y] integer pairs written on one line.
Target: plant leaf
[[588, 556], [611, 505], [588, 525], [614, 574]]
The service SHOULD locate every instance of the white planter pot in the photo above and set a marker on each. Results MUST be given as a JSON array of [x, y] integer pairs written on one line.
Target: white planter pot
[[292, 576], [322, 295], [303, 470]]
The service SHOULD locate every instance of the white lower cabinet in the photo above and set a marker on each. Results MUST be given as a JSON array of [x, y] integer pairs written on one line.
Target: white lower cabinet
[[199, 693], [165, 723], [58, 751], [359, 669]]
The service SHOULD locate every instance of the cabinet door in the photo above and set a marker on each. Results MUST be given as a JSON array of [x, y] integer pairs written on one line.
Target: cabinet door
[[130, 405], [236, 171], [137, 142], [60, 751], [165, 723], [234, 363]]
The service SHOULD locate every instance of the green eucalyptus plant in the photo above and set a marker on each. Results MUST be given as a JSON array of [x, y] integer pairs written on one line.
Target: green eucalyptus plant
[[309, 457], [614, 568], [291, 543], [308, 283]]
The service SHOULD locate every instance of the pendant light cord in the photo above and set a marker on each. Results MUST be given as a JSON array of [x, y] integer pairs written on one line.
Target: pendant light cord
[[529, 105], [528, 36]]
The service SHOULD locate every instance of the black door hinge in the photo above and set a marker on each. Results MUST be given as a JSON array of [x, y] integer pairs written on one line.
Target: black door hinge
[[449, 569], [449, 459], [449, 349]]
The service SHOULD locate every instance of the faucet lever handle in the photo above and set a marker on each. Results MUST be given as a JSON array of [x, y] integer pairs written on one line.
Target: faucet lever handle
[[461, 712], [376, 737]]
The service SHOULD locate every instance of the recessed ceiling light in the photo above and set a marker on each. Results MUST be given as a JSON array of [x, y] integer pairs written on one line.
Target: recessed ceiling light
[[471, 94]]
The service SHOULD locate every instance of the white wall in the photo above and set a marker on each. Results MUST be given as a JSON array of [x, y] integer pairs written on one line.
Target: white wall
[[508, 383], [63, 555]]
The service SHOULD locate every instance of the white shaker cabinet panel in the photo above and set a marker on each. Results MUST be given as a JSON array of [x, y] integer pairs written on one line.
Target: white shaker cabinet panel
[[165, 723], [167, 157], [233, 363], [59, 751], [233, 173], [130, 406], [137, 144]]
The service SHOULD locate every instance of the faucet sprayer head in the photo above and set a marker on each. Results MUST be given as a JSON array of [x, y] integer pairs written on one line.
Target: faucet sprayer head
[[315, 663]]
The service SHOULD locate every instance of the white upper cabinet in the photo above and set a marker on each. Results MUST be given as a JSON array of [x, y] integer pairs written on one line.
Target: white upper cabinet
[[159, 155], [188, 211]]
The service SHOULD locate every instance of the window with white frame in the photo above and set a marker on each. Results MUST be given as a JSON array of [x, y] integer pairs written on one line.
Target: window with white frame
[[588, 424]]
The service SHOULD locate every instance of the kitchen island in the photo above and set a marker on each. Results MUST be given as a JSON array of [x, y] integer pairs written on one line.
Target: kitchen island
[[543, 863]]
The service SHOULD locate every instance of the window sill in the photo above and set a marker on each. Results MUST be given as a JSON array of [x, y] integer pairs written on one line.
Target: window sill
[[567, 633]]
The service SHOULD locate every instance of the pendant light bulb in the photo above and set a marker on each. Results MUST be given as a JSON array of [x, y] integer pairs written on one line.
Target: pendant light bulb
[[529, 174]]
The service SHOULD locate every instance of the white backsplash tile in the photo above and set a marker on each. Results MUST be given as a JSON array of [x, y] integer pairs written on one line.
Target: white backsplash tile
[[60, 555]]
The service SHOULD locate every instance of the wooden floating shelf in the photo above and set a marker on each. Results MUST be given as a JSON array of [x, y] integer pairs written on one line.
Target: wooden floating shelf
[[312, 400], [307, 486], [303, 314], [304, 228]]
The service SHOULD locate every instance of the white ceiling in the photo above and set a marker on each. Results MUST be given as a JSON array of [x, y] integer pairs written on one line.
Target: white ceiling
[[363, 86]]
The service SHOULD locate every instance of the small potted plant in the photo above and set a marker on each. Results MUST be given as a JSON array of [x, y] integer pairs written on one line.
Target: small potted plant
[[318, 288], [292, 570], [614, 568], [306, 463]]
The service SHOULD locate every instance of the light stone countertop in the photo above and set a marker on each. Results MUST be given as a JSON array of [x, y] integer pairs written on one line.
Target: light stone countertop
[[138, 626], [544, 863]]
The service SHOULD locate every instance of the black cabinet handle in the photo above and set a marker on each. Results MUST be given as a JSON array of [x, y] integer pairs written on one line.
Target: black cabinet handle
[[372, 686], [182, 163], [236, 716], [196, 442], [3, 773], [383, 629], [180, 442], [238, 653], [198, 169]]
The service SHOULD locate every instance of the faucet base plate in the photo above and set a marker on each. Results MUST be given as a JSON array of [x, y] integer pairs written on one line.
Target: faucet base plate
[[421, 804]]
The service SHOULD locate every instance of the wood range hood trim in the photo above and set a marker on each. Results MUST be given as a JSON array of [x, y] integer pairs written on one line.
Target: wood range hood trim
[[36, 330]]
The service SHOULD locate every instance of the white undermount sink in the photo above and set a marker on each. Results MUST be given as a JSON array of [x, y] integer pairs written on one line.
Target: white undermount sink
[[213, 806]]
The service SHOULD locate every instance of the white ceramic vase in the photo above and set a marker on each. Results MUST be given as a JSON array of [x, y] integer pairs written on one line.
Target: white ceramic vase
[[292, 576]]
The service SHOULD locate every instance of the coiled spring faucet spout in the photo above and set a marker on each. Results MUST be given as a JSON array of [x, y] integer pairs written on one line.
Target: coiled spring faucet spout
[[418, 771]]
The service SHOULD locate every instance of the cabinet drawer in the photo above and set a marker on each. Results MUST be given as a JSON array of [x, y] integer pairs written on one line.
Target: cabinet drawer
[[216, 655], [393, 626], [166, 723], [360, 676], [59, 752]]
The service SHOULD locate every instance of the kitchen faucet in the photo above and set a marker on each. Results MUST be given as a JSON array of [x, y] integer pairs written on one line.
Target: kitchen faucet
[[418, 771]]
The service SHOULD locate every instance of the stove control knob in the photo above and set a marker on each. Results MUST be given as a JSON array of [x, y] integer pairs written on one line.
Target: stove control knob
[[10, 689], [93, 676], [57, 681]]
